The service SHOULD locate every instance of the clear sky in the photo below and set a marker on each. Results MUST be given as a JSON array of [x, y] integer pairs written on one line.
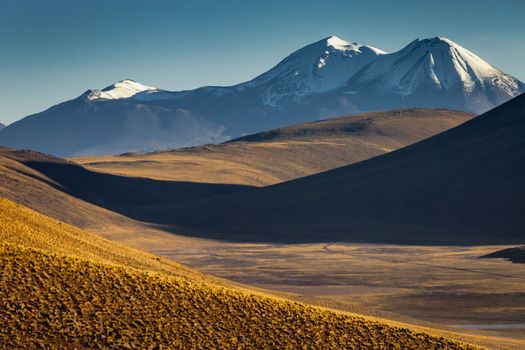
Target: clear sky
[[54, 50]]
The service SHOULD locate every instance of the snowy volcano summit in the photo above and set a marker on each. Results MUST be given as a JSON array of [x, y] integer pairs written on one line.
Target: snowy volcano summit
[[328, 78], [428, 70], [322, 66]]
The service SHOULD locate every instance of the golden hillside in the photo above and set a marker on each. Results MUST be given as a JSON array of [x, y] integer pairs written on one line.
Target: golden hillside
[[283, 154], [63, 287], [27, 228]]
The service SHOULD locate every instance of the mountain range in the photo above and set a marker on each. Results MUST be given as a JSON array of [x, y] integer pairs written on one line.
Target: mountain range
[[328, 78]]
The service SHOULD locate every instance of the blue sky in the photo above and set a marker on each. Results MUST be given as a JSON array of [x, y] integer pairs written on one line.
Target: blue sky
[[51, 51]]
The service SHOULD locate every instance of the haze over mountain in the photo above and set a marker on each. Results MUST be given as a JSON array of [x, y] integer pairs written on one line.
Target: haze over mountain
[[327, 78], [2, 126], [462, 186]]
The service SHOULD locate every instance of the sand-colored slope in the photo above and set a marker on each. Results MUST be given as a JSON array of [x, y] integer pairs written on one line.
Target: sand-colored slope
[[62, 287], [27, 186], [288, 153]]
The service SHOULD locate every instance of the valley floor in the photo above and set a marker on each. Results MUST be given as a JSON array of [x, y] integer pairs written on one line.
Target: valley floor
[[446, 287]]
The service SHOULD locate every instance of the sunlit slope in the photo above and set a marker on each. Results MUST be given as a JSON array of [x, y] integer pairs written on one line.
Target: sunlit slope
[[25, 227], [287, 153], [68, 293]]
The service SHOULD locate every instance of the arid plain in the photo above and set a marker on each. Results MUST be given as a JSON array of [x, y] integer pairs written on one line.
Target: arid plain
[[443, 287]]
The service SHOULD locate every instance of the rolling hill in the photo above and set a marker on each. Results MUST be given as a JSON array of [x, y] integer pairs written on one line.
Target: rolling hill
[[515, 254], [65, 191], [24, 185], [284, 154], [328, 78], [463, 186], [63, 287], [61, 190]]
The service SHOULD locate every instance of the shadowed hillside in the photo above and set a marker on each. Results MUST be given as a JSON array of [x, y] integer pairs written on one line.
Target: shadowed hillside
[[288, 153], [62, 287], [516, 255], [69, 192], [22, 184], [462, 186]]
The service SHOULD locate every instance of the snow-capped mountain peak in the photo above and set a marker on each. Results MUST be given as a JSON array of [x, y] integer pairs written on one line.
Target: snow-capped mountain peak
[[121, 89], [322, 66], [325, 79], [343, 45], [465, 62], [337, 43], [438, 64]]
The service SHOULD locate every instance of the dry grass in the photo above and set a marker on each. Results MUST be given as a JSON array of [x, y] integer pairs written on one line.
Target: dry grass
[[24, 227], [79, 291], [430, 286]]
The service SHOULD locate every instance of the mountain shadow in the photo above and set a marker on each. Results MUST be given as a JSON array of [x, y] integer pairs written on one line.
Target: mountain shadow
[[121, 194], [463, 186]]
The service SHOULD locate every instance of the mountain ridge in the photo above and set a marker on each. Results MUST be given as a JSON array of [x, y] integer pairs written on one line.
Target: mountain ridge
[[328, 78]]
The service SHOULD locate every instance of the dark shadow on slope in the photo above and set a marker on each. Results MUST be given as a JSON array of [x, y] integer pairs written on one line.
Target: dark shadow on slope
[[515, 254], [126, 195], [464, 186]]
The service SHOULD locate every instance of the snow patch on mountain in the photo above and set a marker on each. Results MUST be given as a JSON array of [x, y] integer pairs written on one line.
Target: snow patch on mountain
[[123, 89]]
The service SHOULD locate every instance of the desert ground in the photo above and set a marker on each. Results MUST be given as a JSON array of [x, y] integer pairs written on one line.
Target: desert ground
[[441, 286], [447, 287], [447, 290]]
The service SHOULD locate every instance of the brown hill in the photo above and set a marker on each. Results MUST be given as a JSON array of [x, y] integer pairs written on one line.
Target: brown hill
[[283, 154], [27, 186], [462, 186]]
